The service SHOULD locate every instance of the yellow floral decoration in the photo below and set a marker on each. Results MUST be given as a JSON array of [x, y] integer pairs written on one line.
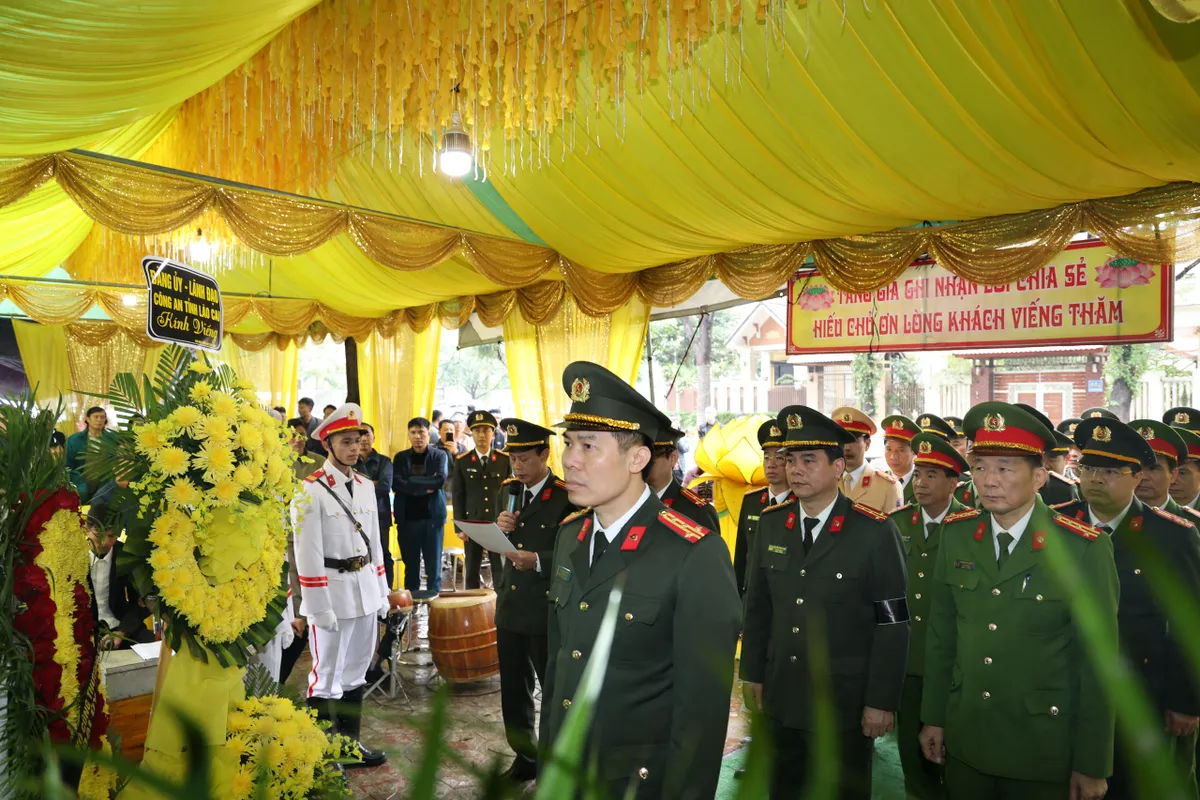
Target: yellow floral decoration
[[732, 459]]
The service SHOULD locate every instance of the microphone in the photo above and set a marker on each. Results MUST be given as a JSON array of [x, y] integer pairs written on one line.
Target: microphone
[[514, 496]]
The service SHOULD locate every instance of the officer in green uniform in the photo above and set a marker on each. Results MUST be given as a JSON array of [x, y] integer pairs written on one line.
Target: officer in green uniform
[[1098, 412], [662, 480], [660, 720], [1186, 489], [937, 466], [475, 490], [540, 504], [1067, 427], [1010, 703], [770, 438], [898, 433], [1058, 489], [1170, 450], [822, 566], [1114, 455], [958, 440]]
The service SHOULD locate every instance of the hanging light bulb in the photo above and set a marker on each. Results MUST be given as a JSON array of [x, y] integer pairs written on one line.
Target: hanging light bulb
[[200, 250], [455, 158]]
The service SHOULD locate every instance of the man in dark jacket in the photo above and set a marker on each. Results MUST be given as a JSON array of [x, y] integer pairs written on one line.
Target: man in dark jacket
[[117, 605], [418, 475], [378, 469]]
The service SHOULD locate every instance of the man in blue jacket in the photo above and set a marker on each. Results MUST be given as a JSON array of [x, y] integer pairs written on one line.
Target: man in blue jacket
[[77, 449], [418, 475]]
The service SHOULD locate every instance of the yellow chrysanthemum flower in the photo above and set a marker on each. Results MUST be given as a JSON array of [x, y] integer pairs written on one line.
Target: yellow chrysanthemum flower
[[159, 560], [250, 437], [223, 405], [244, 476], [226, 492], [172, 461], [213, 428], [172, 593], [237, 722], [185, 416], [183, 492], [200, 392], [149, 438], [215, 459]]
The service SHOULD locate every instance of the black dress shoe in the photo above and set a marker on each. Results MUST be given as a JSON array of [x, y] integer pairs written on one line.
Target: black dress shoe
[[370, 758], [521, 770]]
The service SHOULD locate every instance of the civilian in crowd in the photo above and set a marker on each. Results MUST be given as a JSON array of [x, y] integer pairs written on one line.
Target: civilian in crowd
[[418, 475], [683, 446], [305, 407], [447, 444], [710, 422], [460, 429], [312, 445], [117, 605], [327, 411], [58, 444], [435, 426], [501, 436], [378, 470], [304, 465], [281, 411], [77, 448]]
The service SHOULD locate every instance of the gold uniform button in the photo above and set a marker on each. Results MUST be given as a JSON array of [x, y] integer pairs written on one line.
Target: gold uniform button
[[566, 703], [987, 659], [795, 629], [987, 695], [991, 626], [513, 587], [924, 555], [643, 773], [917, 618], [917, 596], [520, 546], [920, 574], [839, 576], [575, 654], [583, 606], [792, 659], [628, 617], [1054, 711], [996, 592], [1038, 598], [1137, 572], [802, 573], [799, 601]]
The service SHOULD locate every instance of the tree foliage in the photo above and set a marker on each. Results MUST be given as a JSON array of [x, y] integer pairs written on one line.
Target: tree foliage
[[476, 370], [1123, 372], [867, 369]]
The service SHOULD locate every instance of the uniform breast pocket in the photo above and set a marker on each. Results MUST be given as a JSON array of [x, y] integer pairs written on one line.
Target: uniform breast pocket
[[1043, 609], [636, 629]]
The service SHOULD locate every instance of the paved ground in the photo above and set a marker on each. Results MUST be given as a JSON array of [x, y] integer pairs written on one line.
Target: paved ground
[[475, 731]]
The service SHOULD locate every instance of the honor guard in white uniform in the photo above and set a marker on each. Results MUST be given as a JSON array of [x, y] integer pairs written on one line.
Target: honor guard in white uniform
[[342, 583]]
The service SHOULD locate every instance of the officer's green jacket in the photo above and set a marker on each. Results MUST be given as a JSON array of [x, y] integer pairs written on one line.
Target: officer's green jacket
[[1006, 671], [753, 504], [1058, 490], [1187, 512], [691, 505], [659, 725], [477, 485], [965, 494], [521, 594], [1146, 639], [851, 588], [909, 495], [921, 555]]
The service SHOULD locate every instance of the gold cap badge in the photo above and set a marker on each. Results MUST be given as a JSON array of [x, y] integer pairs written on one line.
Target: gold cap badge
[[924, 422], [847, 416], [1183, 418], [898, 424], [924, 448], [775, 431], [581, 390], [350, 415], [1102, 434], [510, 429], [794, 421], [1071, 428], [1095, 415], [1147, 433], [994, 423]]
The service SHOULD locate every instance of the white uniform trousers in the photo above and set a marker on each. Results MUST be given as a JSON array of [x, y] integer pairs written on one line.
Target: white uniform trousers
[[271, 655], [340, 658]]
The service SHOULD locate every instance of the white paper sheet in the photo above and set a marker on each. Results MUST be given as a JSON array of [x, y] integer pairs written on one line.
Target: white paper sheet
[[486, 534], [147, 650]]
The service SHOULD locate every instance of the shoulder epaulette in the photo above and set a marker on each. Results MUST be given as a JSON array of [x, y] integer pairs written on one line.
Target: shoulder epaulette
[[508, 480], [904, 507], [462, 455], [682, 525], [1173, 517], [316, 476], [1063, 504], [690, 495], [776, 507], [1062, 477], [500, 453], [572, 517], [1189, 511], [560, 484], [754, 490], [887, 476], [867, 511], [1077, 526], [961, 484], [966, 513]]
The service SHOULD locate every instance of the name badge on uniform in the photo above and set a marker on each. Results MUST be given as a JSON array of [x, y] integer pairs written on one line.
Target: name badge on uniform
[[777, 548], [964, 565], [563, 573], [752, 517], [906, 539]]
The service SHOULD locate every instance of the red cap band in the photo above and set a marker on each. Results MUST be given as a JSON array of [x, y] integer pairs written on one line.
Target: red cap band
[[1011, 438]]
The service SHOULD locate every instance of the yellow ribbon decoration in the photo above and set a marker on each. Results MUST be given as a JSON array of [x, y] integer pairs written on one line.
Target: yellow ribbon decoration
[[732, 459]]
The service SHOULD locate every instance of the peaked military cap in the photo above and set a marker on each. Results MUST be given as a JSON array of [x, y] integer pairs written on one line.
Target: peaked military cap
[[600, 401], [932, 423], [1162, 438], [1062, 442], [898, 426], [770, 434], [1004, 429], [668, 437], [1096, 412], [933, 450], [957, 424], [481, 418], [808, 429], [854, 421], [348, 417], [1191, 439], [1111, 443], [1183, 417], [1068, 426], [524, 435]]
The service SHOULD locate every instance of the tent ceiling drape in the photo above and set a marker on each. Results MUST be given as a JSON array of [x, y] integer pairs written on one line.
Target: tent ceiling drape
[[816, 124]]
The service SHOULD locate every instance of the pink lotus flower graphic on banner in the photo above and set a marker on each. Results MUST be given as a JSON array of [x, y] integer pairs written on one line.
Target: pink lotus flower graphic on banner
[[816, 298], [1121, 272]]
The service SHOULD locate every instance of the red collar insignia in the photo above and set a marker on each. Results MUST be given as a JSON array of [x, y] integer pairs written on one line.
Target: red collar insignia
[[1079, 515], [1135, 524], [633, 538], [835, 524], [546, 494], [979, 530], [329, 479], [669, 502], [583, 530], [916, 516], [763, 499], [1039, 540], [866, 481], [791, 520]]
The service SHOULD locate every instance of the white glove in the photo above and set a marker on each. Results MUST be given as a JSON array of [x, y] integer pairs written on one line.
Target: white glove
[[326, 621]]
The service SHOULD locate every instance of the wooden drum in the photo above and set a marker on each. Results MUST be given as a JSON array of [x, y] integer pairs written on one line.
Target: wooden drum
[[462, 636]]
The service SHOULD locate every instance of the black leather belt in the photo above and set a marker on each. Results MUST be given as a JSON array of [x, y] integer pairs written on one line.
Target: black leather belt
[[346, 564]]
